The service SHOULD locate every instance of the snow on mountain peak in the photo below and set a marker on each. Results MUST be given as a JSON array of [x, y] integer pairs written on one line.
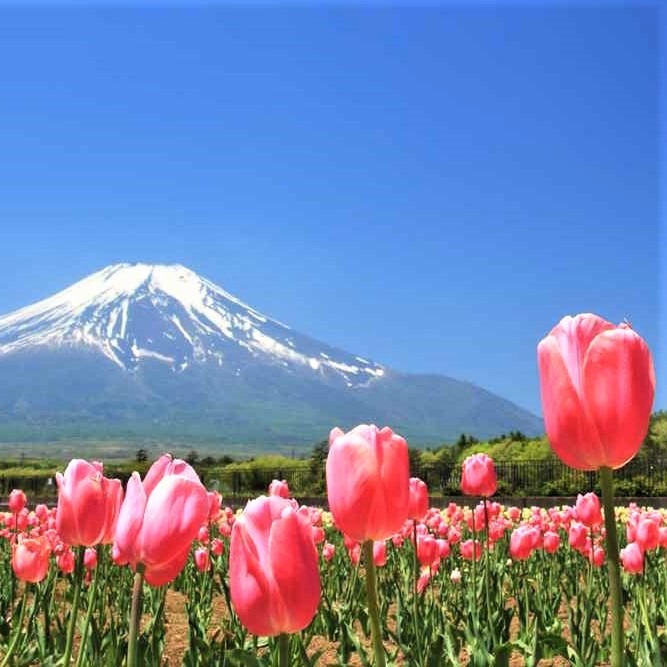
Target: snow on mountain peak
[[169, 314]]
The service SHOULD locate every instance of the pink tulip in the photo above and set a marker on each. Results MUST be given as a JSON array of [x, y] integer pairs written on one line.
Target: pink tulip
[[214, 502], [423, 580], [217, 546], [88, 504], [648, 534], [523, 540], [514, 513], [418, 504], [597, 383], [632, 558], [202, 559], [597, 555], [30, 558], [90, 558], [273, 572], [443, 548], [279, 487], [551, 541], [471, 549], [588, 510], [17, 501], [367, 481], [478, 476], [577, 535], [328, 551], [65, 561], [427, 550], [160, 518], [380, 553]]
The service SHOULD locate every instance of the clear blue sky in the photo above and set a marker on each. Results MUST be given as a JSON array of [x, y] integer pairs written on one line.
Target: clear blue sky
[[432, 187]]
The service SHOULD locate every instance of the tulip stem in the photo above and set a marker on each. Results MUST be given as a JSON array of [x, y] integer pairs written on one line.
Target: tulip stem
[[415, 592], [78, 572], [373, 610], [283, 649], [18, 629], [613, 566], [92, 594], [135, 615], [487, 577]]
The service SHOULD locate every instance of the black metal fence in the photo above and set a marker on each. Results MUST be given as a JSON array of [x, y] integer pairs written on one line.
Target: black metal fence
[[523, 478], [643, 478]]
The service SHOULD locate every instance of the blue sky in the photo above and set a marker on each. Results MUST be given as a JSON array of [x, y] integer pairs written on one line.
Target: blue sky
[[432, 187]]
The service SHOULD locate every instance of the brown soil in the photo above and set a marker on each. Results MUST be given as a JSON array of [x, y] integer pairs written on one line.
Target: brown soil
[[176, 641]]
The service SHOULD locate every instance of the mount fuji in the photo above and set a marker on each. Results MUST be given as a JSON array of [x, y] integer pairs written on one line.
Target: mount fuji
[[142, 351]]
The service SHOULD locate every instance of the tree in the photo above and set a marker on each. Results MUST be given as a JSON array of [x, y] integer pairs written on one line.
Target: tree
[[316, 466], [142, 456]]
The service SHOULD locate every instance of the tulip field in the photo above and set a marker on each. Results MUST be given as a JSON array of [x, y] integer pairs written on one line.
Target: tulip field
[[380, 578], [494, 585]]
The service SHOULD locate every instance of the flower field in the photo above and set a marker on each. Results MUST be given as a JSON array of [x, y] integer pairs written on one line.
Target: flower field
[[381, 579], [537, 590]]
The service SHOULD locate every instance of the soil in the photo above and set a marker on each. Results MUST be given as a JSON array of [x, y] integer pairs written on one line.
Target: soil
[[176, 641]]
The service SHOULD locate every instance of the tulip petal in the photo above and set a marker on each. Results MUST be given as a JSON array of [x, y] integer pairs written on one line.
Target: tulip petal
[[352, 481], [174, 512], [394, 470], [156, 472], [574, 336], [164, 572], [293, 562], [130, 520], [619, 384], [248, 583], [566, 422]]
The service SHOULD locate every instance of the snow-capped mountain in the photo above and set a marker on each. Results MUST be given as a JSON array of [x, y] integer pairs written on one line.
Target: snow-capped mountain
[[141, 352], [132, 312]]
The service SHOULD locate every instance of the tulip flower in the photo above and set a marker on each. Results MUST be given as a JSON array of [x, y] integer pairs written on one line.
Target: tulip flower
[[427, 550], [632, 557], [217, 546], [380, 553], [597, 383], [90, 558], [17, 501], [159, 519], [88, 504], [279, 487], [471, 549], [30, 558], [202, 559], [328, 551], [588, 510], [523, 541], [478, 476], [367, 475], [274, 576], [551, 541], [65, 561], [418, 503], [214, 502], [648, 534]]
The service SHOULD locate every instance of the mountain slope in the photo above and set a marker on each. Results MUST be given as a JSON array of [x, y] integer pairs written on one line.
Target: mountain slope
[[137, 351]]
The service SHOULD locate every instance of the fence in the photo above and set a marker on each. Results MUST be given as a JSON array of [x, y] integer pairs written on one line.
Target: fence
[[525, 478]]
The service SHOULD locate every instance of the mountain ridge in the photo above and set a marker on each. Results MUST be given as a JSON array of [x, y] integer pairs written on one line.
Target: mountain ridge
[[136, 347]]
